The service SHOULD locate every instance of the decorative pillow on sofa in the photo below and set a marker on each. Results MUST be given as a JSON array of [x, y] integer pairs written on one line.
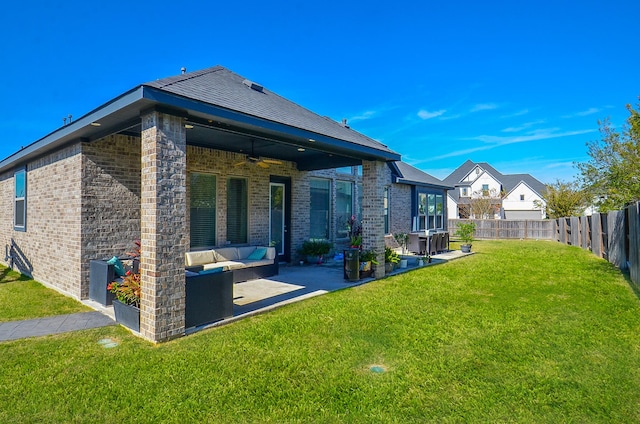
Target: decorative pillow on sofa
[[211, 271], [257, 254], [118, 267]]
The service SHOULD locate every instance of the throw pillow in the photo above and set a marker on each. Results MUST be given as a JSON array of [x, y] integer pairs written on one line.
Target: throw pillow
[[257, 254], [210, 271], [118, 267]]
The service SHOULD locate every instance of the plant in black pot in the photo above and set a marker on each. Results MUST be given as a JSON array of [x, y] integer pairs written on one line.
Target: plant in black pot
[[315, 249], [465, 232], [126, 305]]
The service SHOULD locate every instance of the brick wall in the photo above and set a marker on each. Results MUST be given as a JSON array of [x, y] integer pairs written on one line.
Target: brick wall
[[400, 208], [224, 165], [110, 199], [49, 249]]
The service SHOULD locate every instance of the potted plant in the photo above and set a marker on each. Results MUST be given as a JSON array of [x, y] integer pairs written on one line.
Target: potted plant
[[465, 232], [315, 249], [126, 305], [391, 259], [367, 259], [424, 260]]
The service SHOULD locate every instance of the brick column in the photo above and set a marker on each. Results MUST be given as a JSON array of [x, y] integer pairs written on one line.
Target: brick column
[[373, 181], [163, 226]]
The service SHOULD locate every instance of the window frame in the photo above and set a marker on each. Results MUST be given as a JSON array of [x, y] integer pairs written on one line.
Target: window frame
[[328, 212], [16, 226]]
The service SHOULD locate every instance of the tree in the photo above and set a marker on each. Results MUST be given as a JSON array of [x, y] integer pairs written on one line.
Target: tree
[[563, 199], [485, 204], [612, 176]]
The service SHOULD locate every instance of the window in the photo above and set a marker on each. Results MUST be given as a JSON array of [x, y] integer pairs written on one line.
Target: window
[[203, 210], [485, 189], [465, 192], [344, 207], [20, 209], [430, 211], [345, 170], [320, 207], [522, 197], [386, 210], [237, 210]]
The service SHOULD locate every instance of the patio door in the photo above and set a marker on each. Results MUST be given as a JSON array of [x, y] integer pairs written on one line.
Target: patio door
[[280, 216]]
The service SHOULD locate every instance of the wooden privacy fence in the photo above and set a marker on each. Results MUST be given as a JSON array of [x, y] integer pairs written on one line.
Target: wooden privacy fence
[[510, 228], [614, 236]]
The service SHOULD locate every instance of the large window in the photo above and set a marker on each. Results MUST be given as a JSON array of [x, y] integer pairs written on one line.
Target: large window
[[320, 205], [203, 210], [344, 207], [20, 207], [237, 210], [430, 211]]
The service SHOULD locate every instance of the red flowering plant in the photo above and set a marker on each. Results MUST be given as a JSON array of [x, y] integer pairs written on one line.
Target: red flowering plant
[[128, 290]]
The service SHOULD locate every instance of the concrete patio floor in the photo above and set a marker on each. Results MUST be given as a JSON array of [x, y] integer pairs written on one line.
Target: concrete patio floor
[[295, 283]]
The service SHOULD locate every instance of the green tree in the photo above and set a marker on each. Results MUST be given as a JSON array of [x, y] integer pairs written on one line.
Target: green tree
[[563, 199], [612, 176]]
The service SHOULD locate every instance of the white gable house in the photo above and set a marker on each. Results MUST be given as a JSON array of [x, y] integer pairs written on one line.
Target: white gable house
[[517, 196]]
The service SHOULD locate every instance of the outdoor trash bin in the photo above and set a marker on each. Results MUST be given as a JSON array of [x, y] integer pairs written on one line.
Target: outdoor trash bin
[[352, 264]]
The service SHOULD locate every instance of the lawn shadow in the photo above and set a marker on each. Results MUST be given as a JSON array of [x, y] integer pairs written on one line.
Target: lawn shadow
[[7, 275]]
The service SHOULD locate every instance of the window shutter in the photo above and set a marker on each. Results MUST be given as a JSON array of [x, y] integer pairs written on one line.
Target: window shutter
[[203, 210]]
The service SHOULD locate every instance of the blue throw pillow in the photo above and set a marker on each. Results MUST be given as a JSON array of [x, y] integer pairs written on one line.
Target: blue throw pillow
[[118, 267], [210, 271], [257, 254]]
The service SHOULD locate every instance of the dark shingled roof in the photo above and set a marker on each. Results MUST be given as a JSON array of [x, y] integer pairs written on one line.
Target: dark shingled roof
[[407, 174], [220, 86], [508, 181]]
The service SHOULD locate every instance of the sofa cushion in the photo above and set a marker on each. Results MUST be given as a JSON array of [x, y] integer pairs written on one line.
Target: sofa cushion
[[247, 263], [245, 251], [226, 254], [226, 265], [199, 258], [257, 254]]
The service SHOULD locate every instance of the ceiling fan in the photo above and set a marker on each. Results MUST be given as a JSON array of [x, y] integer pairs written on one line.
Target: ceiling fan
[[256, 160]]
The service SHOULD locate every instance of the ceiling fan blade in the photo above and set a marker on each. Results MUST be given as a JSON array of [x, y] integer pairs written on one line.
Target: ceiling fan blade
[[272, 161], [261, 164]]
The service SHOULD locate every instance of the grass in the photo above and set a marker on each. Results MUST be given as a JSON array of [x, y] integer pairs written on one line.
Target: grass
[[23, 298], [519, 332]]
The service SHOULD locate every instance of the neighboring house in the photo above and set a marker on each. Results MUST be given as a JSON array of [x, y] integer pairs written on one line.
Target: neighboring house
[[516, 195], [200, 159]]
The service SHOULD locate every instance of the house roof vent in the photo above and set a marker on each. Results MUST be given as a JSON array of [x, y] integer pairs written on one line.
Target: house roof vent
[[253, 85]]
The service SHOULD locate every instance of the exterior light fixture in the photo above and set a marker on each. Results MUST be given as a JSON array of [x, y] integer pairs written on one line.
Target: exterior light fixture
[[188, 126], [95, 124], [301, 149]]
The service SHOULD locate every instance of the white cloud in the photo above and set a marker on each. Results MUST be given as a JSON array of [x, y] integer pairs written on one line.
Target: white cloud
[[425, 114], [484, 106], [492, 141], [363, 116], [516, 114], [590, 111], [522, 127]]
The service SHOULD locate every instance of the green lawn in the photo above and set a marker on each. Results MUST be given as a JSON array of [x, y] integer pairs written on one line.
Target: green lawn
[[23, 298], [519, 332]]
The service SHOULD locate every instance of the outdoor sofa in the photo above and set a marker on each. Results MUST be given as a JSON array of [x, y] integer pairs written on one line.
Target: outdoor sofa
[[244, 263]]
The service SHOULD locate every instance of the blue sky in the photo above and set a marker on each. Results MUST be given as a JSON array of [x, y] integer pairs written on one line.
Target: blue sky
[[520, 85]]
